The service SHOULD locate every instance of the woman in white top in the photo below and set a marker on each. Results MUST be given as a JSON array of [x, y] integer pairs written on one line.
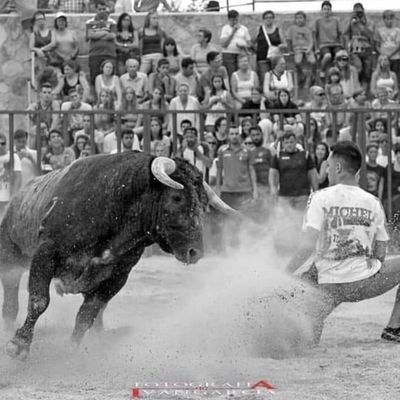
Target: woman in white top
[[383, 77], [276, 79], [107, 80], [243, 80]]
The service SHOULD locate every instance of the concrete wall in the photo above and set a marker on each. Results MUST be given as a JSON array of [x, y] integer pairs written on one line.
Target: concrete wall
[[15, 56]]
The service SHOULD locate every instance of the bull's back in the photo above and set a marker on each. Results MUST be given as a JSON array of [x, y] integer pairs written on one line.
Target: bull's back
[[19, 229]]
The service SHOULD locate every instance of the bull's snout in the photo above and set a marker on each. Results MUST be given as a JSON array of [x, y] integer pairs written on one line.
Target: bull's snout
[[193, 255]]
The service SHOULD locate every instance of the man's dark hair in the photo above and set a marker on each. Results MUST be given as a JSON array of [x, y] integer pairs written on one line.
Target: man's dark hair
[[20, 134], [206, 33], [232, 14], [126, 131], [211, 56], [255, 128], [372, 146], [162, 61], [326, 3], [73, 90], [268, 12], [349, 153], [46, 85], [288, 135], [186, 121], [101, 3], [190, 130], [186, 62]]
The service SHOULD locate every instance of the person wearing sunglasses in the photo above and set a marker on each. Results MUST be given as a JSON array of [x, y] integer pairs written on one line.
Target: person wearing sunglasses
[[10, 182]]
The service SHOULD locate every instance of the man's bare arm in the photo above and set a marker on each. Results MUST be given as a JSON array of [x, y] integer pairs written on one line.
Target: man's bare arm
[[307, 247], [380, 250]]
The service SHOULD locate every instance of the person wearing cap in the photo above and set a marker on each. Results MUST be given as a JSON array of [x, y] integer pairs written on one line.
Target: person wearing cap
[[235, 40], [328, 37], [360, 38], [348, 73], [388, 37], [70, 6], [64, 43]]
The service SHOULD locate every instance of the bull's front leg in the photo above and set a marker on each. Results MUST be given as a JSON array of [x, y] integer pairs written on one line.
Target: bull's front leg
[[41, 273], [11, 280], [97, 300]]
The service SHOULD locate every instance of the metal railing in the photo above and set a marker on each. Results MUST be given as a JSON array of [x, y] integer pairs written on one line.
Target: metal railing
[[358, 129]]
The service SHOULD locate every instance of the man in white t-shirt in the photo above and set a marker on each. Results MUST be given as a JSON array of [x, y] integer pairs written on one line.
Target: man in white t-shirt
[[344, 232], [9, 183], [235, 40]]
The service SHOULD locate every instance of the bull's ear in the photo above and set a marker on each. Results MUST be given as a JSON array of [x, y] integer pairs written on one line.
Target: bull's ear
[[161, 168]]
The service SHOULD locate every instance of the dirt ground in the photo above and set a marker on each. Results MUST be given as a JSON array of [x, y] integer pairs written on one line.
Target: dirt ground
[[168, 325]]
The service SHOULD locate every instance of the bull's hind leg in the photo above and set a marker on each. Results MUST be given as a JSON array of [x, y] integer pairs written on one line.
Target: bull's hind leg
[[41, 273], [10, 281], [96, 301]]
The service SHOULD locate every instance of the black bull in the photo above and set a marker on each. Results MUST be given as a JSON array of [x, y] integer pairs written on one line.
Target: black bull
[[87, 225]]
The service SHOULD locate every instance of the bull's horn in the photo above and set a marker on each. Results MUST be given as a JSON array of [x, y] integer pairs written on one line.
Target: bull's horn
[[161, 168], [216, 202]]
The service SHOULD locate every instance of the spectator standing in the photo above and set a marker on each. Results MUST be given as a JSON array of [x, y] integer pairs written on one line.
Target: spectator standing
[[45, 106], [72, 78], [319, 101], [10, 181], [235, 40], [129, 106], [108, 80], [70, 6], [40, 38], [200, 50], [384, 77], [127, 42], [81, 140], [236, 176], [151, 43], [221, 132], [184, 102], [262, 159], [327, 36], [243, 80], [135, 80], [27, 156], [129, 141], [267, 42], [162, 78], [292, 174], [157, 136], [64, 43], [104, 121], [375, 172], [110, 141], [388, 37], [361, 38], [101, 34], [189, 76], [123, 6], [150, 5], [198, 154], [75, 119], [171, 53], [301, 43]]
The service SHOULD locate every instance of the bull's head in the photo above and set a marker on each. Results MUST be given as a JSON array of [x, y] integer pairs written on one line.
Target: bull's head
[[179, 223]]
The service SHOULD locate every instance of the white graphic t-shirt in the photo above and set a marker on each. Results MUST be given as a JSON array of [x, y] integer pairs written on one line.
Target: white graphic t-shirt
[[349, 220]]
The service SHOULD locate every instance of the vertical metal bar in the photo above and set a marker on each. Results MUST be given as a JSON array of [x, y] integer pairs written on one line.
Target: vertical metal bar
[[362, 143], [334, 127], [146, 133], [64, 128], [307, 133], [201, 127], [280, 120], [355, 126], [11, 150], [175, 132], [92, 128], [390, 166], [118, 133], [38, 140]]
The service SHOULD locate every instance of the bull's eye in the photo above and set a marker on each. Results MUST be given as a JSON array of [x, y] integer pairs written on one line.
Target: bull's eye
[[177, 198]]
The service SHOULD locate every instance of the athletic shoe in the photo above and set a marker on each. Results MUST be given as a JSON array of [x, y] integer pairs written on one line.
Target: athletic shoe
[[391, 334]]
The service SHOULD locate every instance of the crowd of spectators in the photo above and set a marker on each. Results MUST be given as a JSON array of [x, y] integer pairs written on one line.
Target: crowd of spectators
[[248, 129]]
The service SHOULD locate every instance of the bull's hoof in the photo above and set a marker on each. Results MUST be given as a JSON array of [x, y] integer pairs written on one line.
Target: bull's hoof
[[17, 349]]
